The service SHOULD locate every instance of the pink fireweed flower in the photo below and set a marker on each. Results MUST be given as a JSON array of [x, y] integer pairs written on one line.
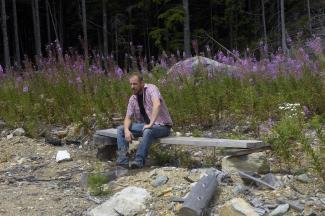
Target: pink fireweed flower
[[118, 72], [315, 45], [25, 88]]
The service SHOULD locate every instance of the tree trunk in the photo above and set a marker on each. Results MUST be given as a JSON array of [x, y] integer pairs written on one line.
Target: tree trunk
[[61, 23], [187, 33], [36, 24], [17, 50], [48, 23], [116, 39], [84, 28], [283, 29], [309, 17], [4, 34], [264, 23], [105, 39]]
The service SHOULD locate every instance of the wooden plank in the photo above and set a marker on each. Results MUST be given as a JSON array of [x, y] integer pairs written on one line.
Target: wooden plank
[[211, 142], [196, 141], [112, 132]]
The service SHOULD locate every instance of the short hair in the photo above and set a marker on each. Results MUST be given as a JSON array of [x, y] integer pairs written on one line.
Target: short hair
[[138, 75]]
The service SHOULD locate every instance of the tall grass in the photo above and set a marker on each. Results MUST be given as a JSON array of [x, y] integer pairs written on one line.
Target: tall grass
[[63, 90]]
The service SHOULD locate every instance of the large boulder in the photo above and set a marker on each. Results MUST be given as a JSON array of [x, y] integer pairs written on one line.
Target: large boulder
[[130, 201], [191, 65], [255, 162]]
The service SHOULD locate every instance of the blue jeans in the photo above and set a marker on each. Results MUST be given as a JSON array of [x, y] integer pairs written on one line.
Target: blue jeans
[[148, 135]]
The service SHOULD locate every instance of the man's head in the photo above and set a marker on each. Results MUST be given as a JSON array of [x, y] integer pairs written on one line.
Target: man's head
[[137, 83]]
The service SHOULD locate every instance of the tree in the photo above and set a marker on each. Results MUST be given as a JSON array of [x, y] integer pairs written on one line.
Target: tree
[[5, 34], [187, 33], [105, 38], [17, 50], [84, 28], [264, 23], [283, 28], [37, 31], [309, 17], [48, 23]]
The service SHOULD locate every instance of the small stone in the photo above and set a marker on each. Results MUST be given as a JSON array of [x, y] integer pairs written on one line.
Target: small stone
[[62, 156], [188, 134], [240, 188], [160, 180], [198, 154], [178, 133], [272, 180], [303, 178], [19, 132], [280, 210], [10, 136]]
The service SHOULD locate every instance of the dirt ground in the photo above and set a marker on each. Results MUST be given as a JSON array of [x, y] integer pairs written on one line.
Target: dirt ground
[[33, 183]]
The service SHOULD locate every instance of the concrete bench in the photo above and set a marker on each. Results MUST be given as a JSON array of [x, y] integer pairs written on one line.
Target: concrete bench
[[109, 136]]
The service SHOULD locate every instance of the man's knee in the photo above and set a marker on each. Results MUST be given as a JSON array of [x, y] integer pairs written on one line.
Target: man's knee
[[147, 132], [120, 129]]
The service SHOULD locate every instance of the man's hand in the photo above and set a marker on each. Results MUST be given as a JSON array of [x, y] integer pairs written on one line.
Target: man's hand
[[147, 126], [128, 136]]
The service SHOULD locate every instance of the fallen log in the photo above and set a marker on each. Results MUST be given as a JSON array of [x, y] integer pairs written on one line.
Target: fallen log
[[197, 200]]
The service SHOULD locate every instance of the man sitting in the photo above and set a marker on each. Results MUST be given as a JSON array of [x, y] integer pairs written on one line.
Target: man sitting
[[151, 118]]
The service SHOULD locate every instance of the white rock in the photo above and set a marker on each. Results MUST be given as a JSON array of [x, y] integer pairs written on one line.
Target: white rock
[[237, 207], [63, 155], [178, 134], [19, 132], [129, 201], [280, 210], [198, 154], [10, 136]]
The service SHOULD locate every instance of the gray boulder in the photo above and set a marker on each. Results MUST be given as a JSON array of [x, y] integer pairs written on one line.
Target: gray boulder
[[128, 202], [255, 162]]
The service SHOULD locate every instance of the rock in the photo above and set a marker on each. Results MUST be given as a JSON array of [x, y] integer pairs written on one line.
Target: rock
[[10, 136], [19, 132], [53, 141], [190, 65], [63, 155], [237, 207], [272, 180], [178, 134], [2, 124], [198, 154], [303, 178], [280, 210], [255, 162], [260, 211], [308, 211], [240, 188], [160, 180], [129, 201]]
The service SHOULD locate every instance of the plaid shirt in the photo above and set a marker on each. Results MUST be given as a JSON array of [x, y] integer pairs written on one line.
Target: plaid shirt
[[150, 92]]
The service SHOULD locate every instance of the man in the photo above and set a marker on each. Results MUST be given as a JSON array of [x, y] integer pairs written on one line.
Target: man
[[146, 116]]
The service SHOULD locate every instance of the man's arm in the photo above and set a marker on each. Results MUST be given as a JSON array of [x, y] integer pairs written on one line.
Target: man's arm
[[127, 132]]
